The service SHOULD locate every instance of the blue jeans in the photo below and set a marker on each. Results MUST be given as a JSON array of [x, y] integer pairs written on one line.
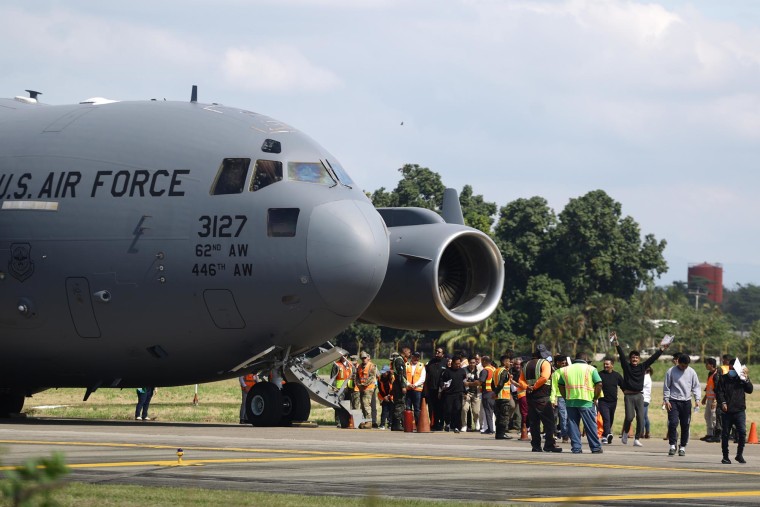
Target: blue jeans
[[414, 402], [143, 402], [646, 417], [588, 415], [562, 413]]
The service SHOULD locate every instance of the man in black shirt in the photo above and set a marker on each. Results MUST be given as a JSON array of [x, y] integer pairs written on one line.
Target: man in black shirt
[[633, 388], [452, 391], [433, 371], [730, 390], [607, 404]]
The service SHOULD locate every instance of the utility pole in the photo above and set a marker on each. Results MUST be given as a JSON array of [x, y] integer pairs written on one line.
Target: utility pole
[[697, 293]]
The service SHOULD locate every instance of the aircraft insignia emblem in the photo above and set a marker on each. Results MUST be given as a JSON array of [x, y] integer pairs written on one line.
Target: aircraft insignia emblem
[[21, 266]]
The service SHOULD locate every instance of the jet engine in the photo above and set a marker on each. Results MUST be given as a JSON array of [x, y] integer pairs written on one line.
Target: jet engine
[[440, 275]]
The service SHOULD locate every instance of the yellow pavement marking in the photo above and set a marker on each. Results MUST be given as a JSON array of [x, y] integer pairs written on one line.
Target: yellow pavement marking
[[198, 462], [334, 455], [642, 496], [194, 448]]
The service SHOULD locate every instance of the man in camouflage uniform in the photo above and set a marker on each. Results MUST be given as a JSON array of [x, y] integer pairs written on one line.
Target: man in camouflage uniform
[[398, 366], [366, 382]]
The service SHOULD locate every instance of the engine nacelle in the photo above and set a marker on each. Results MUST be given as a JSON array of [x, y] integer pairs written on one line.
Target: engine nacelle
[[440, 276]]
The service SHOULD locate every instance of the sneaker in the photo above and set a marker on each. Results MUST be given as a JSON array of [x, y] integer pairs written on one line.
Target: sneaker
[[598, 451], [740, 459], [624, 439], [672, 451], [636, 443], [609, 438], [138, 418], [553, 449], [682, 452], [381, 427], [464, 429], [456, 430], [726, 461], [147, 419]]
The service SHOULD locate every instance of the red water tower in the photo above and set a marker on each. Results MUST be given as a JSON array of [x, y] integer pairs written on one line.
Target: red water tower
[[707, 277]]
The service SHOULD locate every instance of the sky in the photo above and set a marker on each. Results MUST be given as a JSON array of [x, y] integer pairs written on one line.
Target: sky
[[655, 102]]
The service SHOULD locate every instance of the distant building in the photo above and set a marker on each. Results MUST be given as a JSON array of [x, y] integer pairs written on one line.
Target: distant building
[[706, 280]]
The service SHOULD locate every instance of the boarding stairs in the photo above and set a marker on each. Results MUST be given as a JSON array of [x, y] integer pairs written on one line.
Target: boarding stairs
[[304, 370]]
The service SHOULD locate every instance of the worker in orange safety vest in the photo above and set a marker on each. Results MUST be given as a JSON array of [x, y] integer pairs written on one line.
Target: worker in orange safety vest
[[246, 383]]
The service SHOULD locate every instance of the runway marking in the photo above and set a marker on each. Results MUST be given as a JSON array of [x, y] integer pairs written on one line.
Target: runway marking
[[642, 496], [200, 462], [304, 455]]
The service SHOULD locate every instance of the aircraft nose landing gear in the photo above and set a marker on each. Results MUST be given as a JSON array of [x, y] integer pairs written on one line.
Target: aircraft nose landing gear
[[266, 405]]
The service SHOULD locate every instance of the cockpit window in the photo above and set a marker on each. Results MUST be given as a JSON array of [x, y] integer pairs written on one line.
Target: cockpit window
[[265, 172], [341, 173], [231, 176], [310, 172]]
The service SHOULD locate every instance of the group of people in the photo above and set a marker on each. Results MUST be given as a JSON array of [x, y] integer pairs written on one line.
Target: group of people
[[548, 398]]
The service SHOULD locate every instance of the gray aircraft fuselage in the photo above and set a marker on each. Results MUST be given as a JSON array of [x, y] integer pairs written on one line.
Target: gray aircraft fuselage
[[132, 253]]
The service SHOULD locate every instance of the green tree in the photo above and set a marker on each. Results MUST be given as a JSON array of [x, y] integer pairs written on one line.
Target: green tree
[[419, 187], [477, 337], [359, 334], [705, 330], [523, 234], [753, 340], [742, 305], [478, 213], [382, 199], [596, 250], [542, 298]]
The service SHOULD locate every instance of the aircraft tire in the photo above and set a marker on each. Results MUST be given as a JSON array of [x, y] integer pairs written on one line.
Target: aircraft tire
[[296, 404], [11, 403], [263, 405]]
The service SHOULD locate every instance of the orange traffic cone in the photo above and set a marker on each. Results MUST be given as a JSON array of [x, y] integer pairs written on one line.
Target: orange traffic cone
[[524, 433], [423, 425], [752, 438]]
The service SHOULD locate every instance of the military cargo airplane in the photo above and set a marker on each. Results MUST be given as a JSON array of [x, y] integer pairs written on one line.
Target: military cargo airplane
[[170, 243]]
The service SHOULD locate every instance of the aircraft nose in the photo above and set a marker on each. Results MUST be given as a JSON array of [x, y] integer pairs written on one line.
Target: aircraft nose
[[347, 253]]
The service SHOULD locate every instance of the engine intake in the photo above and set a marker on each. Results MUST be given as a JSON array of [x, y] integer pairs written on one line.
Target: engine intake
[[440, 276]]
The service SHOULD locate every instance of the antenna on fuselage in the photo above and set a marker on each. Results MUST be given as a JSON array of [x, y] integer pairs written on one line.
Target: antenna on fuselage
[[33, 94], [194, 94]]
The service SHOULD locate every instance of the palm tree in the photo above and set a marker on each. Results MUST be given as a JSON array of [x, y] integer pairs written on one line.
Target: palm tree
[[472, 337]]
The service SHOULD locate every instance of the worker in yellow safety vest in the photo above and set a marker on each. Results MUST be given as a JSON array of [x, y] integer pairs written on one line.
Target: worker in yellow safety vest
[[581, 386], [342, 371], [487, 395], [502, 384]]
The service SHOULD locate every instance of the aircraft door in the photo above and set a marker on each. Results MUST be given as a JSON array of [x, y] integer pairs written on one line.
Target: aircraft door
[[80, 307]]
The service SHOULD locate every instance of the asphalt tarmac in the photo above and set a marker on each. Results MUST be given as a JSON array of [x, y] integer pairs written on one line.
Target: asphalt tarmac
[[352, 462]]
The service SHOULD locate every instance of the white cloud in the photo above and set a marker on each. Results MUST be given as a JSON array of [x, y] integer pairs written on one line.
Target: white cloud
[[277, 69]]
